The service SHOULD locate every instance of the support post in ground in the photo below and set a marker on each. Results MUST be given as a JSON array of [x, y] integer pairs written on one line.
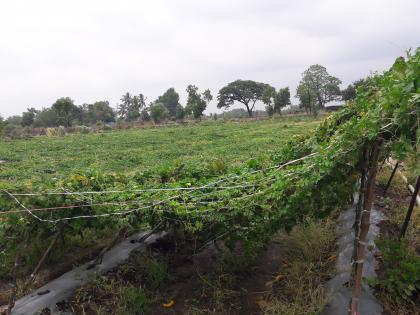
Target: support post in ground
[[360, 202], [364, 226], [410, 208], [390, 179]]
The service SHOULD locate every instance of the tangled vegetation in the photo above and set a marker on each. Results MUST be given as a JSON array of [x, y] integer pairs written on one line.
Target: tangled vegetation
[[310, 175]]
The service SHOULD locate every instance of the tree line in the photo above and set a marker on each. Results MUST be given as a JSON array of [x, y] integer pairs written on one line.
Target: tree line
[[316, 88]]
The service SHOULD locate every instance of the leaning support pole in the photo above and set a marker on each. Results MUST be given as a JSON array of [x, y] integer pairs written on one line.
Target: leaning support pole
[[364, 226], [390, 179], [410, 209]]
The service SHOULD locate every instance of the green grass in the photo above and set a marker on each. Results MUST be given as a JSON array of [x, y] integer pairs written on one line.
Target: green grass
[[129, 151]]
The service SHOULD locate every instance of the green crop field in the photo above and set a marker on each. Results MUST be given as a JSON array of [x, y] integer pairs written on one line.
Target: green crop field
[[129, 151]]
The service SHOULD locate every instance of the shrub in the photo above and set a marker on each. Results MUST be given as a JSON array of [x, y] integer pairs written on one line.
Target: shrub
[[401, 276], [82, 129]]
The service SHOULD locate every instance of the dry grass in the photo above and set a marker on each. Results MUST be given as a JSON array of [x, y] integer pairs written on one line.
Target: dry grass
[[309, 263]]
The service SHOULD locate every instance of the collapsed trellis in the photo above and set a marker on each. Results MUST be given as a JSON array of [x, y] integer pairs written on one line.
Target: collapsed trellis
[[375, 120]]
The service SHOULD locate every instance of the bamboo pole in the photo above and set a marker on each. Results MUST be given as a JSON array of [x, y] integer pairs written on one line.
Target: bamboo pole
[[364, 226], [410, 208], [390, 178], [360, 202], [410, 187]]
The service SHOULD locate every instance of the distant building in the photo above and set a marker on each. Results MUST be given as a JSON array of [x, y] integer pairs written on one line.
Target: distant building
[[334, 106]]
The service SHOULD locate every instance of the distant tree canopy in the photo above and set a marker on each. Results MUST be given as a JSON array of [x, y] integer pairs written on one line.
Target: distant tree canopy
[[324, 86], [316, 88], [180, 112], [47, 117], [349, 92], [98, 111], [307, 99], [196, 102], [130, 107], [247, 92], [66, 111], [169, 99], [28, 117], [2, 124], [275, 100], [158, 112]]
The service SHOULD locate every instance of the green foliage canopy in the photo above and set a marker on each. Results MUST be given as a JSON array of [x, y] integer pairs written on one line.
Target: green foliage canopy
[[247, 92]]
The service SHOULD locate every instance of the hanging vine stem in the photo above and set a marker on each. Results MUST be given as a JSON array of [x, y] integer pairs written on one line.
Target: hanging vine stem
[[365, 224]]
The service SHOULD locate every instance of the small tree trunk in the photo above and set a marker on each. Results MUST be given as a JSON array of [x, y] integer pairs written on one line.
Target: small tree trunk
[[364, 228], [410, 208], [249, 110]]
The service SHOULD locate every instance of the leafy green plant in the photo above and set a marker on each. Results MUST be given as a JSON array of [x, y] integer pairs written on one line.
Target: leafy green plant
[[248, 202], [401, 275]]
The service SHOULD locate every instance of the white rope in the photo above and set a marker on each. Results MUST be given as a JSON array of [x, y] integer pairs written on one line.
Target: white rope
[[168, 188], [118, 191], [190, 189], [120, 212]]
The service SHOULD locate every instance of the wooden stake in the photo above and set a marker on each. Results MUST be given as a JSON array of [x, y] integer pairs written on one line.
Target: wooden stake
[[364, 226], [410, 208], [360, 204], [390, 179]]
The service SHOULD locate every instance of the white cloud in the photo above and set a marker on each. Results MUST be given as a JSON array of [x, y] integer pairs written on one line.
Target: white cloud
[[94, 50]]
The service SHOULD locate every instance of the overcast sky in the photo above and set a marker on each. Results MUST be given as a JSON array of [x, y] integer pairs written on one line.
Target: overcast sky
[[94, 50]]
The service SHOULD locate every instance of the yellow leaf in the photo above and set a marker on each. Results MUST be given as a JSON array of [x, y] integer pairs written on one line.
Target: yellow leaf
[[269, 284], [169, 304], [332, 258]]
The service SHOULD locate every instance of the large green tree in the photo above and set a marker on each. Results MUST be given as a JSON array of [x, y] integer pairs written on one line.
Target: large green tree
[[247, 92], [131, 106], [47, 117], [170, 99], [28, 117], [197, 102], [158, 112], [66, 111], [307, 99], [98, 111], [324, 86], [275, 100], [349, 92]]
